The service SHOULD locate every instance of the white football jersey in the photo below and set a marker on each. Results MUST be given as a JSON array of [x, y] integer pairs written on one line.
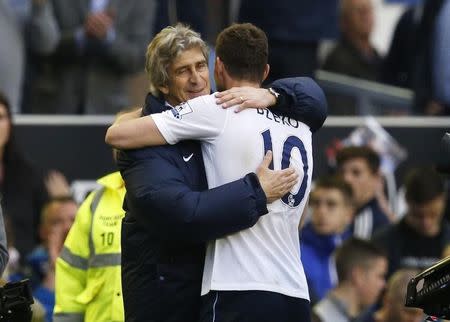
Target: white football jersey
[[266, 256]]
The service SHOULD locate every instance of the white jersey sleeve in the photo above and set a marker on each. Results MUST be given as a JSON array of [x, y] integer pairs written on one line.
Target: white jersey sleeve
[[200, 118]]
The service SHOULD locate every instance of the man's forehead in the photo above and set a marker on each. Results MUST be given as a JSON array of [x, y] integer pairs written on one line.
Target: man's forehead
[[188, 57], [326, 191], [356, 162], [59, 208]]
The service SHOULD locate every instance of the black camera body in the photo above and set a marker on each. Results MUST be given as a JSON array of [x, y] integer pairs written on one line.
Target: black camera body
[[15, 302], [430, 290]]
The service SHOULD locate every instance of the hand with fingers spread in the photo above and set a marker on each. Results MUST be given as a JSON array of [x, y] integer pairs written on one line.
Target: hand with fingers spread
[[275, 183], [245, 97], [57, 185]]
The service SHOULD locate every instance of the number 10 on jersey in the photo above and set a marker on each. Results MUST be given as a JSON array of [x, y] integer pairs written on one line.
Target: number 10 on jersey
[[290, 199]]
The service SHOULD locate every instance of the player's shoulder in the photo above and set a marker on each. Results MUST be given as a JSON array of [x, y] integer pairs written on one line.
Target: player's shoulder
[[209, 100], [205, 105], [309, 99], [193, 105]]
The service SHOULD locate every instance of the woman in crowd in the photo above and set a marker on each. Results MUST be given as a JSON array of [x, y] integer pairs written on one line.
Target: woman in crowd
[[24, 189]]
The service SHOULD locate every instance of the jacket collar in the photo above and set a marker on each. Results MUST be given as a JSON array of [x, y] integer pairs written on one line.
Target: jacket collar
[[113, 181]]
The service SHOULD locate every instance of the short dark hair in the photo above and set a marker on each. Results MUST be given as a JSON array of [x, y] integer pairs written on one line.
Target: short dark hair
[[244, 50], [363, 152], [336, 182], [423, 184], [353, 253]]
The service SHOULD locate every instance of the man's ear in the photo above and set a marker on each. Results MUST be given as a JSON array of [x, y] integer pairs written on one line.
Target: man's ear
[[266, 72], [164, 89]]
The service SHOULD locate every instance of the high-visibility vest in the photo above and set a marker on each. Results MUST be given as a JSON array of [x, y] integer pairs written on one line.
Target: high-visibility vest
[[88, 275]]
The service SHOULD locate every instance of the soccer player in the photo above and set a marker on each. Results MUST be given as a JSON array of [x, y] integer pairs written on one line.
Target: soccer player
[[331, 203], [170, 214], [254, 274], [360, 167]]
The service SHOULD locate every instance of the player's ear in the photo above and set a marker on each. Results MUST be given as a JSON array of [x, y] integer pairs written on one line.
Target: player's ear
[[219, 69], [266, 72], [218, 66]]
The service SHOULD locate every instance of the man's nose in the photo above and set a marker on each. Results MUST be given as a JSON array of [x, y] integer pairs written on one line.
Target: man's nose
[[195, 76], [320, 209], [347, 176]]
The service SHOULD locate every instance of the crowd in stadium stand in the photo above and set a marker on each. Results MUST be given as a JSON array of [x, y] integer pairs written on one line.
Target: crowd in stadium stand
[[86, 59]]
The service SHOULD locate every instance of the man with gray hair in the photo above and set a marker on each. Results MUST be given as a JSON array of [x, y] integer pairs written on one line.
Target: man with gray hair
[[170, 214]]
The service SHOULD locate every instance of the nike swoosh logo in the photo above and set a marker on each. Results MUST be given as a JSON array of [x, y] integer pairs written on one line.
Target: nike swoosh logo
[[186, 159]]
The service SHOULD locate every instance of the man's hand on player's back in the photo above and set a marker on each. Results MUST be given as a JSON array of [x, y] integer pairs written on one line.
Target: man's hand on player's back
[[275, 183]]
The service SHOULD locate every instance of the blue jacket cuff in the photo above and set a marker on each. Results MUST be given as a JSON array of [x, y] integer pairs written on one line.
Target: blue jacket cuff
[[260, 197]]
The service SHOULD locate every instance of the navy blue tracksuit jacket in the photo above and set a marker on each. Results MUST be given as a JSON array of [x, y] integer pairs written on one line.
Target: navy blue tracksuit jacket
[[170, 214]]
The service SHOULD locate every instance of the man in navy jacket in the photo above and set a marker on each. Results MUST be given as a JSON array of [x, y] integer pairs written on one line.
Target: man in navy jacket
[[170, 214]]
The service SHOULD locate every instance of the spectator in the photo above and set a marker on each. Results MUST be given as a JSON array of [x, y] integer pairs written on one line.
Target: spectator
[[361, 268], [331, 202], [360, 167], [419, 239], [23, 24], [294, 29], [58, 216], [102, 43], [411, 59], [393, 306], [354, 55], [24, 191], [22, 188], [90, 260]]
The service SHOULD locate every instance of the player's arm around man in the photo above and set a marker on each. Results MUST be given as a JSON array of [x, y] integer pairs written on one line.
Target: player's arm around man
[[302, 99]]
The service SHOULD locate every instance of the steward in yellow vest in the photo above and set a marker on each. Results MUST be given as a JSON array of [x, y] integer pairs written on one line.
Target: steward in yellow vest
[[88, 274]]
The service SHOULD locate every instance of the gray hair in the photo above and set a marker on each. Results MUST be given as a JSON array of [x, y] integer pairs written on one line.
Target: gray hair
[[164, 48]]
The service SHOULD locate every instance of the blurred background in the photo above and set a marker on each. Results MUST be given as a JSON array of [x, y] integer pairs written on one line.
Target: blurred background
[[67, 67], [383, 58]]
